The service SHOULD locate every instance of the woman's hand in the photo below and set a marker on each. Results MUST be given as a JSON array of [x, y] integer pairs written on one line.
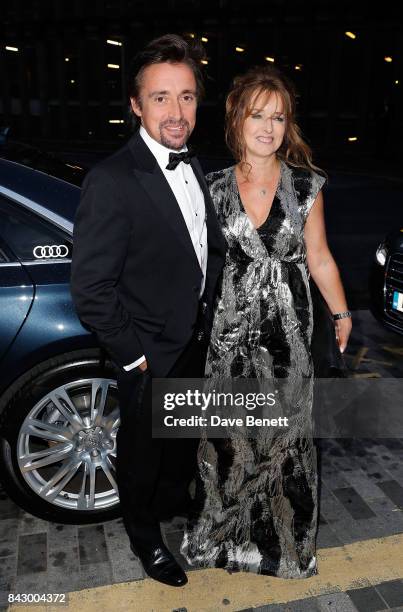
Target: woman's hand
[[343, 330]]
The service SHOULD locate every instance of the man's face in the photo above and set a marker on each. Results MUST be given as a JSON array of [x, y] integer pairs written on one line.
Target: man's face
[[167, 103]]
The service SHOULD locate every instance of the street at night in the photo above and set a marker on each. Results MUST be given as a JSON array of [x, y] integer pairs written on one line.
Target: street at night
[[124, 272]]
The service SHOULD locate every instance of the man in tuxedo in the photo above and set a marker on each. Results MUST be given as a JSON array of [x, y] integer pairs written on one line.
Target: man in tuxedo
[[148, 252]]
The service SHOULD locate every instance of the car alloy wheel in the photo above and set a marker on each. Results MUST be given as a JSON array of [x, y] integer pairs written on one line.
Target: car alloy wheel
[[66, 447]]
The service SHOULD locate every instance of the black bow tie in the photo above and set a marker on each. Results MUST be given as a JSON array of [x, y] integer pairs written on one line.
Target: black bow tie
[[177, 158]]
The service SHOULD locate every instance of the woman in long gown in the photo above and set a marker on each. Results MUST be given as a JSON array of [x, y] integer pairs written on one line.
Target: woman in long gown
[[256, 498]]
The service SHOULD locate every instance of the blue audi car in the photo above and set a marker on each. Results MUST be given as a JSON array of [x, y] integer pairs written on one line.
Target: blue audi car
[[59, 412]]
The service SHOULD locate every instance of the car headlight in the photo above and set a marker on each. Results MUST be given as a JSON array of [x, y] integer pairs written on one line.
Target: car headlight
[[381, 254]]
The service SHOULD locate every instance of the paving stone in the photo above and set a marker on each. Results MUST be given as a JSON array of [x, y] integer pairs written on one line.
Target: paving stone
[[372, 468], [349, 530], [334, 449], [325, 461], [353, 502], [326, 537], [353, 446], [8, 570], [95, 574], [394, 467], [366, 599], [8, 536], [32, 554], [4, 600], [63, 548], [335, 602], [364, 486], [383, 505], [63, 564], [391, 592], [36, 582], [32, 524], [393, 490], [393, 444], [324, 486], [380, 526], [4, 604], [8, 509], [334, 477], [396, 472], [380, 447], [340, 521], [387, 460], [331, 507], [301, 605], [346, 464], [64, 583], [92, 545], [393, 518], [346, 532], [125, 565]]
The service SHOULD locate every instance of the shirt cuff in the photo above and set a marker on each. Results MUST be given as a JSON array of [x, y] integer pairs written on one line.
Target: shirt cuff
[[133, 365]]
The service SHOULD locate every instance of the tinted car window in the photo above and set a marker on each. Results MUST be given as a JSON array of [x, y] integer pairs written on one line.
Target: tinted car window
[[29, 236], [3, 256]]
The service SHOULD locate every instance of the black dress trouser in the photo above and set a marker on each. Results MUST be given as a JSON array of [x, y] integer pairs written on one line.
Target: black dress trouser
[[153, 474]]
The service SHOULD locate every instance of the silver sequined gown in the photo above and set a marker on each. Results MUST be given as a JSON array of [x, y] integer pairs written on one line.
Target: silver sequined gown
[[256, 499]]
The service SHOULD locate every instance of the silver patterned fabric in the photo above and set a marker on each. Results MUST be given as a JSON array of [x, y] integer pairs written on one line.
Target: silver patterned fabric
[[255, 506]]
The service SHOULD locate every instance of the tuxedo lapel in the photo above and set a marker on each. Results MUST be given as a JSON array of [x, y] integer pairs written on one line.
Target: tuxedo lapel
[[214, 234], [197, 169], [152, 179]]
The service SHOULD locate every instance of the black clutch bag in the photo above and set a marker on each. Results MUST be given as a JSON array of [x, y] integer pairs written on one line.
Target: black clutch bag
[[327, 359]]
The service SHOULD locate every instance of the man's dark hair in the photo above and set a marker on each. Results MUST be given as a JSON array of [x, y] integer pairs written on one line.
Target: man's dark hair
[[168, 48]]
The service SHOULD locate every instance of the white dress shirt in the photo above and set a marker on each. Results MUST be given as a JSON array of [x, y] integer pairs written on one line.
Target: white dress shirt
[[190, 199]]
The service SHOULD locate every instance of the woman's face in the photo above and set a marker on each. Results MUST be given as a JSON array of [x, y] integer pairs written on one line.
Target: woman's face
[[264, 128]]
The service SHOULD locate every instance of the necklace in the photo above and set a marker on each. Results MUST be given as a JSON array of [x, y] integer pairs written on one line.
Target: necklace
[[264, 191]]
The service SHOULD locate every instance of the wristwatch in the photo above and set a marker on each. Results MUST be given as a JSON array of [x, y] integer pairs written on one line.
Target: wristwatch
[[341, 315]]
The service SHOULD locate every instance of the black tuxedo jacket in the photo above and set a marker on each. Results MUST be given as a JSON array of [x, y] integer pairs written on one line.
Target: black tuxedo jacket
[[135, 277]]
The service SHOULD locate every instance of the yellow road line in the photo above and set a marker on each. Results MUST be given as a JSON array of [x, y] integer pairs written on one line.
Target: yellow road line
[[214, 590]]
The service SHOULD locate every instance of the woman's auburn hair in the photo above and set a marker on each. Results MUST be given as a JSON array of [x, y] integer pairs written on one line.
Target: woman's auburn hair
[[245, 90]]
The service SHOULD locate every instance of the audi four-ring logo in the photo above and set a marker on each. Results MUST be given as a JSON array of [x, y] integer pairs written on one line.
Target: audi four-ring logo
[[50, 251]]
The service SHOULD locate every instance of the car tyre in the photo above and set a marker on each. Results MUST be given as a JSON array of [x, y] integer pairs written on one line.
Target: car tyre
[[48, 416]]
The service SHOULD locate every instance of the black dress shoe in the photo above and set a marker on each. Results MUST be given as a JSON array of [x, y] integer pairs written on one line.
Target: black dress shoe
[[159, 564]]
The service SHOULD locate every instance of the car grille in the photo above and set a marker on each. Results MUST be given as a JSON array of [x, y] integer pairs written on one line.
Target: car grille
[[394, 282]]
